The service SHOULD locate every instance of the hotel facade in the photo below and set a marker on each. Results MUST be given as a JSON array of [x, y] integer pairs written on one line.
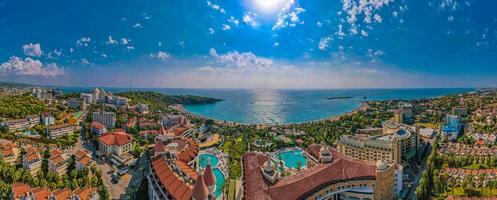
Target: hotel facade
[[398, 142], [336, 176]]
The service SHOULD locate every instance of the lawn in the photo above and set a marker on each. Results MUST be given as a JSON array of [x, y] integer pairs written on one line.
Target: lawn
[[232, 189], [476, 166], [428, 125]]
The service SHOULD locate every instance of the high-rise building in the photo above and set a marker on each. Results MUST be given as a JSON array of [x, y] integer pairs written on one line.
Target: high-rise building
[[108, 119]]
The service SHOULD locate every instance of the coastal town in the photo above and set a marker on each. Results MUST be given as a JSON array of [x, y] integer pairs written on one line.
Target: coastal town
[[144, 145]]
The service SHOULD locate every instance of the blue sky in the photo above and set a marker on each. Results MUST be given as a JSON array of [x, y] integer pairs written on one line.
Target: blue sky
[[250, 43]]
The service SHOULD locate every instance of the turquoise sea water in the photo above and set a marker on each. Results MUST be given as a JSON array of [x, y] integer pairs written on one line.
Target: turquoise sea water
[[293, 158], [269, 106]]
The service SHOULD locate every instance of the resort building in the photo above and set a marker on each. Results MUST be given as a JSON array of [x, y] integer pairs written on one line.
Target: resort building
[[20, 191], [57, 131], [31, 161], [453, 128], [9, 152], [83, 159], [47, 119], [98, 128], [169, 121], [115, 146], [427, 133], [75, 103], [87, 98], [171, 175], [17, 125], [463, 149], [142, 108], [43, 94], [398, 143], [335, 177], [108, 119], [57, 164]]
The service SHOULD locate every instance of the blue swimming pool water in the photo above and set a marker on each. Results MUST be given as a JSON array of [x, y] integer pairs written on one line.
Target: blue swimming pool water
[[219, 182], [293, 158], [205, 157]]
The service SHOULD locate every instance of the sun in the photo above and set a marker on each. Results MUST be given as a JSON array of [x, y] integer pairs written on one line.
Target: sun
[[269, 6]]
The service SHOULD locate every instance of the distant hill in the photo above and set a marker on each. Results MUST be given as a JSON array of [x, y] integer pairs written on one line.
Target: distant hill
[[14, 84], [158, 100]]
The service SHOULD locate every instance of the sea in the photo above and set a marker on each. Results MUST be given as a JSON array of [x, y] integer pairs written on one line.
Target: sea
[[285, 106]]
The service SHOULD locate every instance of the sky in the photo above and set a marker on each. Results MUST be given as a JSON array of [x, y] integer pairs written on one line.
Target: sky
[[250, 43]]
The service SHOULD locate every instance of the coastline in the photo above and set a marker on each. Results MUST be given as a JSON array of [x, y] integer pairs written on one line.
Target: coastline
[[364, 106], [180, 108]]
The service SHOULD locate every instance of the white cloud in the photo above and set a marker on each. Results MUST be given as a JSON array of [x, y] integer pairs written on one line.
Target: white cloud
[[16, 66], [288, 15], [215, 7], [378, 18], [364, 33], [324, 43], [84, 41], [54, 54], [249, 19], [210, 31], [244, 62], [137, 25], [32, 49], [233, 21], [276, 44], [226, 27], [319, 24], [125, 41], [111, 41], [163, 56], [367, 11], [84, 61]]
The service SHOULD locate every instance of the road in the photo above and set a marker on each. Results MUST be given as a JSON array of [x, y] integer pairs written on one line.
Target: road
[[412, 192]]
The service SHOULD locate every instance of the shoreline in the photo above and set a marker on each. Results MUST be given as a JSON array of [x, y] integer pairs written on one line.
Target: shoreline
[[180, 108]]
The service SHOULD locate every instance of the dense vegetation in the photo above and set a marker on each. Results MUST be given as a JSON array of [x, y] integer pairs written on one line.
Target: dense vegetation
[[20, 106], [72, 179], [158, 101]]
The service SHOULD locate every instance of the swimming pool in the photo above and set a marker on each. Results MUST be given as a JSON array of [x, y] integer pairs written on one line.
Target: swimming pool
[[293, 158], [203, 158], [219, 182]]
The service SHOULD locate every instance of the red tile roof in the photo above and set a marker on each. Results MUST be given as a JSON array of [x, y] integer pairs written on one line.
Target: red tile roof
[[7, 152], [41, 193], [20, 189], [63, 194], [33, 156], [97, 125], [55, 152], [170, 181], [83, 193], [297, 186], [57, 159], [115, 138], [209, 176], [200, 190], [59, 126], [85, 160]]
